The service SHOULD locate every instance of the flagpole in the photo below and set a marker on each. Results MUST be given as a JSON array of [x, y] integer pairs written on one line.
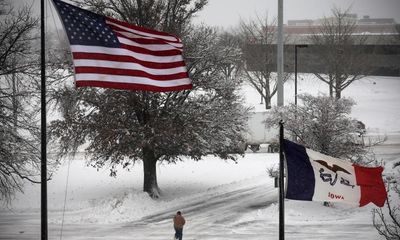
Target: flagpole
[[43, 174], [281, 185]]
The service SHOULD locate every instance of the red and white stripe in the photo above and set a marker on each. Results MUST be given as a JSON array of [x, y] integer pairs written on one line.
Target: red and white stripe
[[147, 60]]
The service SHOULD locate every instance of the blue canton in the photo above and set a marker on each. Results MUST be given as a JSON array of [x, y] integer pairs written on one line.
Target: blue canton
[[84, 27]]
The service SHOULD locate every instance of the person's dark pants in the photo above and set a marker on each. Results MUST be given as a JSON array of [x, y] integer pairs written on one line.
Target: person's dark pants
[[178, 233]]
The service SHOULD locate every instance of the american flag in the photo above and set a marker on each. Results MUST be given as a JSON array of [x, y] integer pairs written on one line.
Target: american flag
[[113, 54]]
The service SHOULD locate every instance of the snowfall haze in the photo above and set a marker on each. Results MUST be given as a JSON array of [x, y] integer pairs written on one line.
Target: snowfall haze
[[228, 13], [221, 200]]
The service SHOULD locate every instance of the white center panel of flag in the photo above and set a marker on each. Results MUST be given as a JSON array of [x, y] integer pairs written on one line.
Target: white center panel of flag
[[335, 180]]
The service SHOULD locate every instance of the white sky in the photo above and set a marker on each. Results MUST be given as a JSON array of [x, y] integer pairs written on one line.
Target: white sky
[[226, 13]]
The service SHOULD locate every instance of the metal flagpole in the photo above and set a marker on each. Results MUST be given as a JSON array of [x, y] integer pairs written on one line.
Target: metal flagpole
[[280, 99], [281, 185], [44, 230]]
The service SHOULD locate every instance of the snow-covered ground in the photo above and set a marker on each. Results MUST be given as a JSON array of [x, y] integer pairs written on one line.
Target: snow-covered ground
[[377, 99], [220, 199]]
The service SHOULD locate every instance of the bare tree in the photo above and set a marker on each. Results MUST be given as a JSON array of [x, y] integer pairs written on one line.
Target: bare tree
[[229, 46], [19, 143], [16, 39], [258, 38], [168, 15], [340, 55], [387, 220]]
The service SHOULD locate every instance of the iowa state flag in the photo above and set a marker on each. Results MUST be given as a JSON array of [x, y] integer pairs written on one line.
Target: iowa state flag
[[313, 176]]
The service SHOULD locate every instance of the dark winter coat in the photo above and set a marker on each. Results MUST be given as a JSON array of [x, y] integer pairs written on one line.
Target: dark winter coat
[[179, 221]]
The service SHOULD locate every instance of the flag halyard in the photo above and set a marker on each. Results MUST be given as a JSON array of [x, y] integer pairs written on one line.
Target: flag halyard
[[113, 54]]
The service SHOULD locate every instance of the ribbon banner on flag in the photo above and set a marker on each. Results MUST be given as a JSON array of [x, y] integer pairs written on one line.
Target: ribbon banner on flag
[[313, 176], [113, 54]]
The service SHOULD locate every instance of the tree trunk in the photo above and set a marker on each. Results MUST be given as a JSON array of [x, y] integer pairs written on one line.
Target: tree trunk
[[338, 94], [139, 5], [150, 172], [331, 88], [267, 95], [267, 102], [338, 91]]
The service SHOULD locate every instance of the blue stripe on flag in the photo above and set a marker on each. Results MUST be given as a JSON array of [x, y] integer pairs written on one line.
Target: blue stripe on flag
[[300, 179]]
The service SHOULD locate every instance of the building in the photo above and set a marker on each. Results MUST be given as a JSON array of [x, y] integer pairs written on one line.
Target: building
[[380, 44], [364, 25]]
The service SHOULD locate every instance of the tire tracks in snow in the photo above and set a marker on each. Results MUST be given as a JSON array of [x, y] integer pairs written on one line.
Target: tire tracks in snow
[[219, 205]]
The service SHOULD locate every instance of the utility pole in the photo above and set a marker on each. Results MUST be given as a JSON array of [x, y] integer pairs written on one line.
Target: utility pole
[[279, 61]]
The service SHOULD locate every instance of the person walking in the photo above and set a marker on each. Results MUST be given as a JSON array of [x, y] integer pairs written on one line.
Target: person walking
[[179, 221]]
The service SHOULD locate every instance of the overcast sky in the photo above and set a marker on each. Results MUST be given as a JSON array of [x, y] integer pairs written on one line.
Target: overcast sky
[[227, 13]]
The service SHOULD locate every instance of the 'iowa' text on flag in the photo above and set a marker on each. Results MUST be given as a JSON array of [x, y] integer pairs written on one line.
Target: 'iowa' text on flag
[[113, 54], [313, 176]]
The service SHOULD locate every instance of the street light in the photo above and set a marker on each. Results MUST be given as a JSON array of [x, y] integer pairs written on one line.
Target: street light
[[295, 69]]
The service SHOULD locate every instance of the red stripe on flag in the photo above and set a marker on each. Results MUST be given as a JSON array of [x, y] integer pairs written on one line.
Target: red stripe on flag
[[371, 185], [131, 86], [134, 73], [140, 40], [150, 52], [142, 29], [123, 58]]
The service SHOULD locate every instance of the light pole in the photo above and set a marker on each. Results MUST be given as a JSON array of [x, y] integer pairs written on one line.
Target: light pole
[[279, 54], [295, 69]]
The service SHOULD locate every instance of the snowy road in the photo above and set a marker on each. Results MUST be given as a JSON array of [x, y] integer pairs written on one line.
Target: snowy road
[[215, 216], [216, 210]]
